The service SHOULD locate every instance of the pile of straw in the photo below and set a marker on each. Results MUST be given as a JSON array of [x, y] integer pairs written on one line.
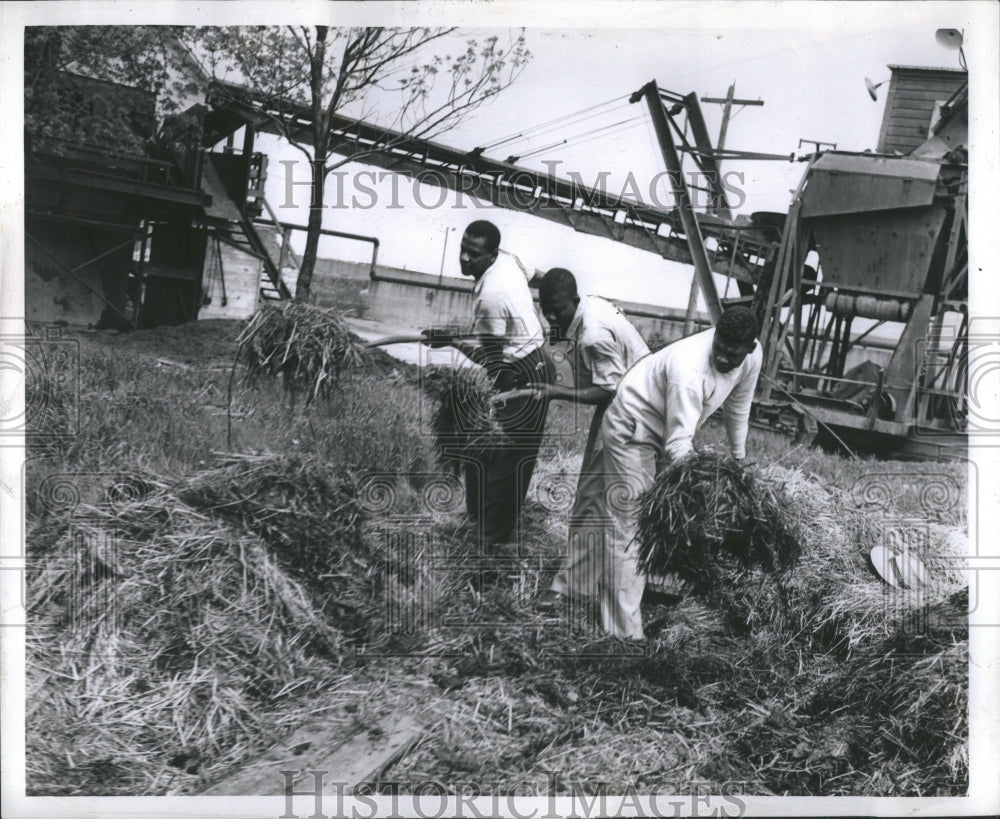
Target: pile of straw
[[464, 422], [865, 687], [220, 633], [308, 346], [833, 601], [304, 509], [180, 636], [705, 508], [889, 719]]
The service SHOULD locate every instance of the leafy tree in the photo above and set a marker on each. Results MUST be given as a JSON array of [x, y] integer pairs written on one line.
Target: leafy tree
[[112, 85], [103, 85], [397, 78]]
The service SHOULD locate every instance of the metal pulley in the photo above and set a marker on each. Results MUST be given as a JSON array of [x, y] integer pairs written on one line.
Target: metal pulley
[[872, 307]]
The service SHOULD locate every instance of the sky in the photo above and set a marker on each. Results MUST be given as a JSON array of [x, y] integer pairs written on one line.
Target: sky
[[806, 61], [810, 77]]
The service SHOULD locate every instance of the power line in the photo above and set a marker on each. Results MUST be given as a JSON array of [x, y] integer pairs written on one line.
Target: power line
[[636, 122], [576, 139], [561, 126], [571, 115]]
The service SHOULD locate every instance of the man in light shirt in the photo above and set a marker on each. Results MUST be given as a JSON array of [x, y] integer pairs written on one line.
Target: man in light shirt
[[660, 404], [602, 346], [507, 339]]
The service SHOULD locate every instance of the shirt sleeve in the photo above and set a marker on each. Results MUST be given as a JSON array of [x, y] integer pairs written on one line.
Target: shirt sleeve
[[736, 410], [684, 406], [491, 317], [605, 360]]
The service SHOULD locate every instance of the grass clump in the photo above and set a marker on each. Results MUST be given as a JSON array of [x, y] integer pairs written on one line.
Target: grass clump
[[309, 347], [464, 421], [705, 507]]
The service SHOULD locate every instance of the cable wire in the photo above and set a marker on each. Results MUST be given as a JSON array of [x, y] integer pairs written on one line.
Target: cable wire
[[571, 115], [563, 126], [577, 139]]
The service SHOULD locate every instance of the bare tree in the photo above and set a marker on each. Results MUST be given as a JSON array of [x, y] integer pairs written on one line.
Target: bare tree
[[396, 78]]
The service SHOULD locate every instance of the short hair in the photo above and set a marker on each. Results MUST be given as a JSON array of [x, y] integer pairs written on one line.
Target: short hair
[[557, 280], [738, 324], [485, 230]]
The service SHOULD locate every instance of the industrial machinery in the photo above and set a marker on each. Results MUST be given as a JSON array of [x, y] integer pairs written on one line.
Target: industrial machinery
[[863, 300], [861, 287], [875, 252]]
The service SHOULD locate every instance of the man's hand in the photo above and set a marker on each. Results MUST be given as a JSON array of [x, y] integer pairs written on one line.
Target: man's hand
[[436, 339]]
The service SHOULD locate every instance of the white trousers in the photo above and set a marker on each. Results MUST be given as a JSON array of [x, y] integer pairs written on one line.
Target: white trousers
[[600, 559]]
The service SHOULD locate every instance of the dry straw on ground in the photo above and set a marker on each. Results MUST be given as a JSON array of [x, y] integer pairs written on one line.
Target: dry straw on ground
[[190, 621], [309, 347], [253, 595], [222, 639], [833, 600], [181, 646]]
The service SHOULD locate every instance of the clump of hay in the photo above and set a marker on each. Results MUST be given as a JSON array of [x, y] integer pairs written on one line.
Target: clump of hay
[[308, 346], [706, 508], [306, 510], [465, 421], [180, 636]]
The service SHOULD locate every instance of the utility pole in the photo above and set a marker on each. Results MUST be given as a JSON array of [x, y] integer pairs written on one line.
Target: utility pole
[[727, 104], [444, 252]]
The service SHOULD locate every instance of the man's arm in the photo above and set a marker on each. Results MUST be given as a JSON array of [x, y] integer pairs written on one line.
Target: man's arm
[[736, 412], [604, 358], [684, 406], [588, 395], [485, 349]]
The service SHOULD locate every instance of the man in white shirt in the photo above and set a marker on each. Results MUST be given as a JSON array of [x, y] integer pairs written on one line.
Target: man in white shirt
[[602, 346], [506, 338], [659, 406]]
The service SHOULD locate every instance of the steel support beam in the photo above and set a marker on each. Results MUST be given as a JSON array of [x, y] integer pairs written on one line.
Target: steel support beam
[[696, 244], [504, 184], [109, 182]]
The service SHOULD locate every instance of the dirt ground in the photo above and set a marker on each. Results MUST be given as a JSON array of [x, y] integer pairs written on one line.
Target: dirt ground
[[501, 694]]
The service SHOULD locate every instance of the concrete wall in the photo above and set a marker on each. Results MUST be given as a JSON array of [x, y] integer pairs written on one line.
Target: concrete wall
[[344, 270], [343, 286], [416, 300], [241, 273], [405, 299]]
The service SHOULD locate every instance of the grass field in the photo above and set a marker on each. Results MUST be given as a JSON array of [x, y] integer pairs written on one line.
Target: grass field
[[193, 600]]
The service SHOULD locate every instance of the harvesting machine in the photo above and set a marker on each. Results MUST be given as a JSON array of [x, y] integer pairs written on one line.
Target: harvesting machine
[[865, 317], [862, 287]]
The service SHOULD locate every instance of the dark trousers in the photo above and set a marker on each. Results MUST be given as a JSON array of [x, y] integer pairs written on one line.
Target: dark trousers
[[496, 485]]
